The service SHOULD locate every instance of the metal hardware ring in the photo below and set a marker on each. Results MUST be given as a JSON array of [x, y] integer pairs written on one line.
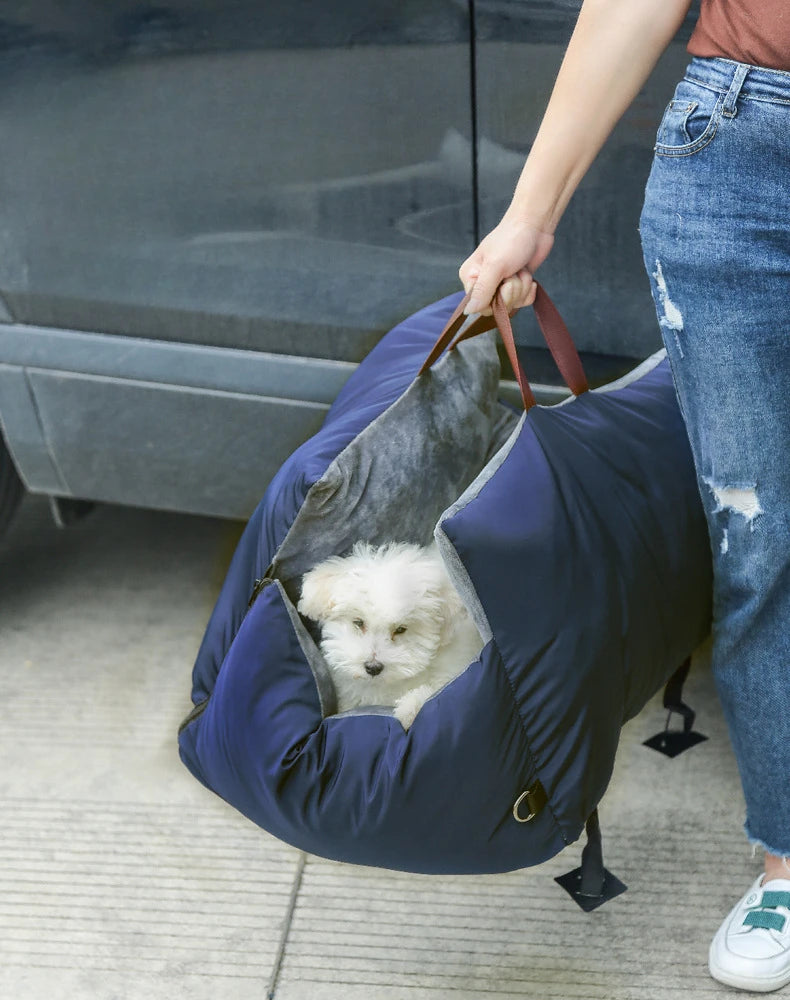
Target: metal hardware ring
[[519, 800]]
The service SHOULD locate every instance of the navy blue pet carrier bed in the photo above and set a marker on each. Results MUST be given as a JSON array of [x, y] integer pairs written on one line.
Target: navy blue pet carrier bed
[[574, 534]]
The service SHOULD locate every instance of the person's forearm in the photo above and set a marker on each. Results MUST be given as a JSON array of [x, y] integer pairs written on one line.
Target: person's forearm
[[613, 50]]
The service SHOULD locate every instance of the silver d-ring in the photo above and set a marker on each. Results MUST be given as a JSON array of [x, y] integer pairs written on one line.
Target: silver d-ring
[[519, 800]]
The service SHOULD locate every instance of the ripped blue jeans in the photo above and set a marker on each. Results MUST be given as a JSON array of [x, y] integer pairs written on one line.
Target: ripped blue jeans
[[716, 239]]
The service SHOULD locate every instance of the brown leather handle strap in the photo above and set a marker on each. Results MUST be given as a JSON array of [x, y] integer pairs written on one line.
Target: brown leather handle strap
[[560, 342], [506, 332], [552, 326], [556, 335], [454, 324]]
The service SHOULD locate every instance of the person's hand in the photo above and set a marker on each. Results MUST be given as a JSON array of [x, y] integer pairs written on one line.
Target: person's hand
[[507, 257]]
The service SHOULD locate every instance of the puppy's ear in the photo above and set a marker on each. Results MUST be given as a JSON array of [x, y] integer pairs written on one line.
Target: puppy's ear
[[453, 610], [319, 590]]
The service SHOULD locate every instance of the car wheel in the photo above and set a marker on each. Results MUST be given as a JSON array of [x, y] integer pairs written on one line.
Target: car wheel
[[11, 488]]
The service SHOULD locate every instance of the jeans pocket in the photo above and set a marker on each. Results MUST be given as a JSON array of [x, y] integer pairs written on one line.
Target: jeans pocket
[[690, 121]]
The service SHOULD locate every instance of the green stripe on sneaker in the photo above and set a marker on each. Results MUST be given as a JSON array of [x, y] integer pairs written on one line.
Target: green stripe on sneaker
[[774, 899], [767, 921]]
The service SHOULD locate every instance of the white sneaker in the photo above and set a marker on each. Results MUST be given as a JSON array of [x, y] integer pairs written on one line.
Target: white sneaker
[[751, 949]]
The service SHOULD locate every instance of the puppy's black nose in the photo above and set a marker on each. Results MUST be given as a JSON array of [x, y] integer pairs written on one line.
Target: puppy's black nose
[[374, 668]]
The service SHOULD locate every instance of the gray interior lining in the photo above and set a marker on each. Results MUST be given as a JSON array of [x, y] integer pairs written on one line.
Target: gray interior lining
[[392, 482], [323, 679], [636, 373]]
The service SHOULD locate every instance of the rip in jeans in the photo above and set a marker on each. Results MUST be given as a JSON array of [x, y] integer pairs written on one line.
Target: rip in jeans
[[672, 317], [741, 500]]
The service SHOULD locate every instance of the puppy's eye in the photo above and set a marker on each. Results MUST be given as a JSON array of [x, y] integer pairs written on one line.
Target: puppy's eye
[[358, 623], [399, 630]]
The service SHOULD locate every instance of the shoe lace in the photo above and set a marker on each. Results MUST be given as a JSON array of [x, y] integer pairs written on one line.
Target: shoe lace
[[764, 914]]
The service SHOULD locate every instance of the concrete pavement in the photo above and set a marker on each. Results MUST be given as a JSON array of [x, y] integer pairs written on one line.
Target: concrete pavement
[[121, 878]]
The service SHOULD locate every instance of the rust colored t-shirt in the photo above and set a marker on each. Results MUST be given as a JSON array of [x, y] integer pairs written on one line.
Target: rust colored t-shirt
[[749, 31]]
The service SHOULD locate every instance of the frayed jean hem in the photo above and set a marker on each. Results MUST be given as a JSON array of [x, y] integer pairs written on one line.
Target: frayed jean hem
[[757, 842]]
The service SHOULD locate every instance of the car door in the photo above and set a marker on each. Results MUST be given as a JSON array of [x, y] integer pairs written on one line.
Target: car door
[[211, 212]]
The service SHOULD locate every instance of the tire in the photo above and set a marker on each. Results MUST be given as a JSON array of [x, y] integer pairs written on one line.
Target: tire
[[11, 488]]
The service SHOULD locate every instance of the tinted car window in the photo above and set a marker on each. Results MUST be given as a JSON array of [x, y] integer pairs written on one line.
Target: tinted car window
[[238, 174]]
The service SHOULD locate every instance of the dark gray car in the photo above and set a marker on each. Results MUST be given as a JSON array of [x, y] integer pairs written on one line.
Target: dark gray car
[[212, 211]]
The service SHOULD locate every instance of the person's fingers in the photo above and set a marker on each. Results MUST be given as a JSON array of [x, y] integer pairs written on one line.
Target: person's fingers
[[518, 291], [483, 291], [469, 272], [469, 282], [507, 257]]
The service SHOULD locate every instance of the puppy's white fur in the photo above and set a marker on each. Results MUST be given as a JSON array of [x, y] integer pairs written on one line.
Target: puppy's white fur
[[393, 628]]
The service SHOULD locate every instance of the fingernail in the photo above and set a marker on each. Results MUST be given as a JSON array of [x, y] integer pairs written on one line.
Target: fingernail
[[471, 307]]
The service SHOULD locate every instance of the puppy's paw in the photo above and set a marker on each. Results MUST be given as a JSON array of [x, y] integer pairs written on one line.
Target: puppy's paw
[[407, 707]]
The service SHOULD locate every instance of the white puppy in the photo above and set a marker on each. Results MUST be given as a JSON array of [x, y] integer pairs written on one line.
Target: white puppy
[[393, 628]]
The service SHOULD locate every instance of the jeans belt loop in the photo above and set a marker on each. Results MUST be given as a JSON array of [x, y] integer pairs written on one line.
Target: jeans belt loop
[[730, 109]]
